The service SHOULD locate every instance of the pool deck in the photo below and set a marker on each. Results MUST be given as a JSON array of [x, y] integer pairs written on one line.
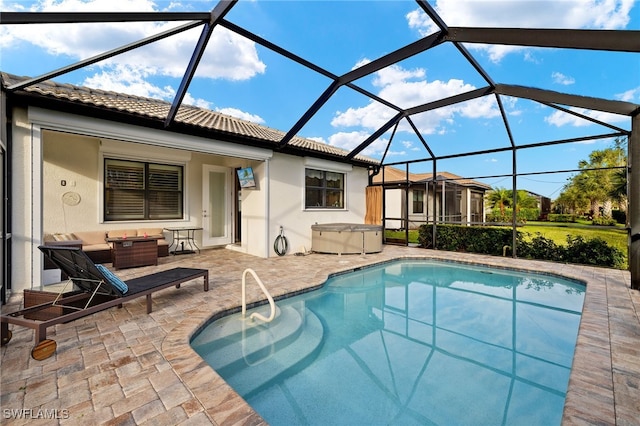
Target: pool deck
[[123, 366]]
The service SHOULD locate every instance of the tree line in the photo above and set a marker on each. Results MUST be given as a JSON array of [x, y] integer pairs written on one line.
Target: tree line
[[600, 186], [597, 190]]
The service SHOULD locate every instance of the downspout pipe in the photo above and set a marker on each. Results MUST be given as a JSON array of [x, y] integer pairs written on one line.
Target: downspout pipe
[[375, 171]]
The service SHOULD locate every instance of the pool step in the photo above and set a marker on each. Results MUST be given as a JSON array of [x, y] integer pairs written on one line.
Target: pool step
[[230, 339], [284, 360], [237, 347]]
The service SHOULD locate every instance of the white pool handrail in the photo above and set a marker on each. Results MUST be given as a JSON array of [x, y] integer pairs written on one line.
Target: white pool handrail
[[272, 304]]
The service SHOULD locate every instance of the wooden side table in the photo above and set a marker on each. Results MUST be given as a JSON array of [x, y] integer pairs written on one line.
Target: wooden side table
[[132, 252]]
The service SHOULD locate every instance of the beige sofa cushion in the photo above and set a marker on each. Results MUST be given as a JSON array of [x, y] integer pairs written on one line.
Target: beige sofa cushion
[[96, 247], [154, 232], [89, 238], [151, 232], [119, 233]]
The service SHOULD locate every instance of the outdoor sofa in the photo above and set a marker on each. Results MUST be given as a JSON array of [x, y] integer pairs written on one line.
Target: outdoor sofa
[[95, 245]]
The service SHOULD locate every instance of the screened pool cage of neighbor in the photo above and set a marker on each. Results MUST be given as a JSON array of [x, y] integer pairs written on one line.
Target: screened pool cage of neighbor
[[439, 197]]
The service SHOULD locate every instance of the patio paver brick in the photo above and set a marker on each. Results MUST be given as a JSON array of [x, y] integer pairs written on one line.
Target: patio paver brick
[[123, 366]]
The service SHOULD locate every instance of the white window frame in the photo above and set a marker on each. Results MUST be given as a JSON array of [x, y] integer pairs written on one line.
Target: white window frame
[[326, 166]]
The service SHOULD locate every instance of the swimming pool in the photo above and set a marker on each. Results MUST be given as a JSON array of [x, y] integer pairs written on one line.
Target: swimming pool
[[407, 342]]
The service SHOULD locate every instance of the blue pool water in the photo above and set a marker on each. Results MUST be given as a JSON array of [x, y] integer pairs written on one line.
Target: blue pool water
[[407, 342]]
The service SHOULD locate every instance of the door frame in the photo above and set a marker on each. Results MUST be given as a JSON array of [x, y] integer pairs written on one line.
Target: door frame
[[229, 212]]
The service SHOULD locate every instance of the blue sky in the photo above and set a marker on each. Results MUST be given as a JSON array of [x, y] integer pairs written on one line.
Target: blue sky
[[240, 78]]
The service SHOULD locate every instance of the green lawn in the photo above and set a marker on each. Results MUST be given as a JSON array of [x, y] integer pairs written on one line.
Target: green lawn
[[615, 236], [400, 235]]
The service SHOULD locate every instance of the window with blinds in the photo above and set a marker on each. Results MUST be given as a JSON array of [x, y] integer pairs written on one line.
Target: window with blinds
[[135, 190], [324, 189]]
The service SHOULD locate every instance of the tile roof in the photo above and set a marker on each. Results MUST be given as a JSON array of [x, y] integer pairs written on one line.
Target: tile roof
[[395, 175], [187, 114]]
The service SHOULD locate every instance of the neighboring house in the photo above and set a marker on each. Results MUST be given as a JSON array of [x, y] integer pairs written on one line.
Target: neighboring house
[[544, 204], [457, 200], [91, 160]]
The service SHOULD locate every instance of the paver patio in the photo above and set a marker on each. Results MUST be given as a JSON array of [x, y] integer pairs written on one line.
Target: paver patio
[[122, 366]]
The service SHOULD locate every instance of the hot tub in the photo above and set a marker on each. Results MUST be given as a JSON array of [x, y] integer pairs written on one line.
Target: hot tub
[[346, 238]]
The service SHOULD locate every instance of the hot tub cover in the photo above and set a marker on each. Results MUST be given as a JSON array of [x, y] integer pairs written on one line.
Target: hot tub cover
[[342, 227]]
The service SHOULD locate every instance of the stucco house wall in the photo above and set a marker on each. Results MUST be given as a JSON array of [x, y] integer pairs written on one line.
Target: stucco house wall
[[49, 162], [24, 270], [286, 199]]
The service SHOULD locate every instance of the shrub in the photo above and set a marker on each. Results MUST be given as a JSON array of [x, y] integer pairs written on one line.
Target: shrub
[[594, 251], [523, 215], [472, 239], [493, 240], [541, 248], [603, 220], [529, 214], [619, 216], [562, 218]]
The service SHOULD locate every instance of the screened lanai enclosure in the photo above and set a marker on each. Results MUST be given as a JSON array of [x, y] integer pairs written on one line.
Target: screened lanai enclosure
[[432, 186]]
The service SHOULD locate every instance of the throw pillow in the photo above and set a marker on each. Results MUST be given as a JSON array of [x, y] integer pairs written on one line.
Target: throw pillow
[[64, 237], [113, 279]]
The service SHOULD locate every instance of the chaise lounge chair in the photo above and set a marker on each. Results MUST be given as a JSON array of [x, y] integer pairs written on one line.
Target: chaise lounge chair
[[97, 289]]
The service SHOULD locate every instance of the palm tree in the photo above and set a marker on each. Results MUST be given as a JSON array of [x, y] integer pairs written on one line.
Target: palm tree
[[619, 188], [571, 200], [524, 200], [500, 197], [598, 180]]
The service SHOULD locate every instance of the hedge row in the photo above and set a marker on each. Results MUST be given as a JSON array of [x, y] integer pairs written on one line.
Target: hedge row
[[495, 241], [471, 239], [522, 215], [562, 217]]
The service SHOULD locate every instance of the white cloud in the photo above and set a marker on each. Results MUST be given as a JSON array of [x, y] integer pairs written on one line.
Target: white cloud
[[350, 140], [167, 57], [134, 81], [372, 116], [234, 112], [409, 88], [200, 103], [394, 73], [560, 78], [560, 118], [572, 14], [630, 95], [529, 57], [130, 80]]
